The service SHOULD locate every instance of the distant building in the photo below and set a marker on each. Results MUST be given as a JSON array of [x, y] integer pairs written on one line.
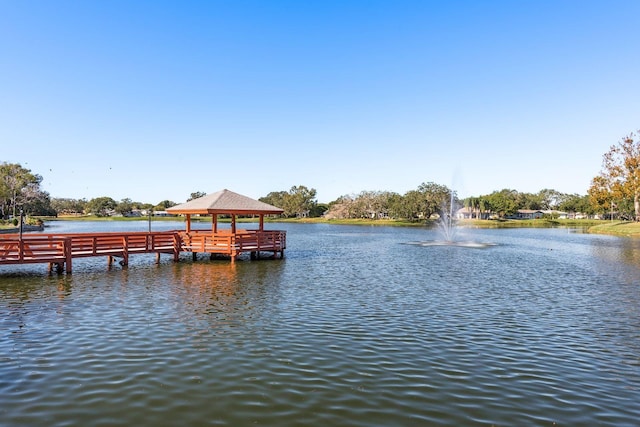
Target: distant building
[[468, 213], [162, 213], [556, 214], [527, 214]]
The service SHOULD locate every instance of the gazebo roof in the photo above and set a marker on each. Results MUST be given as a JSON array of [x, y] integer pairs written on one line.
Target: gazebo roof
[[224, 202]]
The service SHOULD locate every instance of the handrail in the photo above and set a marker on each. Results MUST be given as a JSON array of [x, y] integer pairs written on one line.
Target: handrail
[[60, 248]]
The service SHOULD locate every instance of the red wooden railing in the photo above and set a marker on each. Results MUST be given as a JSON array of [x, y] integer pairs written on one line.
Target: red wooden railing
[[227, 243], [59, 249], [34, 249]]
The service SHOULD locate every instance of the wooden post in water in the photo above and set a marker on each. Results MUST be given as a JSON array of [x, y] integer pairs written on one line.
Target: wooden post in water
[[125, 251], [68, 256], [177, 247]]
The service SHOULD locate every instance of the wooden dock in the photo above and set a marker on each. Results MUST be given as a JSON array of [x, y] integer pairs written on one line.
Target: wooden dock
[[59, 250], [232, 244]]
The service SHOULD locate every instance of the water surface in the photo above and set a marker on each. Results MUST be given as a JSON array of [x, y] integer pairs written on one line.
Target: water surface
[[353, 327]]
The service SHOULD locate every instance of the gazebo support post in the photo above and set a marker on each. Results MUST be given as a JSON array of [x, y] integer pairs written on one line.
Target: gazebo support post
[[188, 223], [233, 223], [214, 223], [261, 228]]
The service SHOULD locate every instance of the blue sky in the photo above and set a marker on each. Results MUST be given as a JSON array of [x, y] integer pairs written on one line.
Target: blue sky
[[153, 100]]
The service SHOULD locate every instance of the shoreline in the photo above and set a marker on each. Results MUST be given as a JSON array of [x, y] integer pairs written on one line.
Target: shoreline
[[615, 228], [25, 228]]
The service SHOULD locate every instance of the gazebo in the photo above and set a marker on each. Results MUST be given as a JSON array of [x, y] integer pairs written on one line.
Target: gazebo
[[234, 241]]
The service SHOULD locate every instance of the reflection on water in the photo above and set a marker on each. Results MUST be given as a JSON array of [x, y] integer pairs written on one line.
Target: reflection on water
[[456, 243], [352, 327], [203, 279]]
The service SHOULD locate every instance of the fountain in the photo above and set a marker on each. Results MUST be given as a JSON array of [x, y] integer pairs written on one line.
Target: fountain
[[448, 228], [446, 222]]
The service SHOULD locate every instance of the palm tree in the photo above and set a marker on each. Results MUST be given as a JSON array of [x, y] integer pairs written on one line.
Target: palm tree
[[472, 204], [483, 205]]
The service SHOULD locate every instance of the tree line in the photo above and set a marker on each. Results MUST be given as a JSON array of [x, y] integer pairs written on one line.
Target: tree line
[[431, 199], [615, 191], [19, 189]]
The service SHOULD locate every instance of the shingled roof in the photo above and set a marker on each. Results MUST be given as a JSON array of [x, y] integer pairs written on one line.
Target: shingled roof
[[224, 202]]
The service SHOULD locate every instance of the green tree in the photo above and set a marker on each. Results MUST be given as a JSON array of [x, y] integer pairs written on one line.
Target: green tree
[[299, 201], [528, 201], [372, 204], [18, 187], [101, 206], [196, 195], [395, 202], [484, 205], [477, 206], [68, 206], [163, 205], [435, 198], [318, 210], [411, 206], [38, 203], [503, 202], [124, 207], [575, 203], [275, 198], [620, 175], [472, 204], [550, 199]]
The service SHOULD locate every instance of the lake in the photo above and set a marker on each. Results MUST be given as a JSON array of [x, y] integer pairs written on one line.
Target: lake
[[353, 327]]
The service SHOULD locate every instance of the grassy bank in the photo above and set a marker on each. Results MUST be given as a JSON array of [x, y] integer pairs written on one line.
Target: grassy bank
[[530, 223], [30, 222], [357, 221], [618, 228], [477, 223]]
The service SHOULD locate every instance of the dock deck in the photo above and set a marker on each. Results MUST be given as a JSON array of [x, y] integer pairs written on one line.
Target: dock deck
[[59, 250]]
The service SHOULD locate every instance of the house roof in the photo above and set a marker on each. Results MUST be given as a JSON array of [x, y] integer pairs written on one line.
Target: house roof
[[224, 202]]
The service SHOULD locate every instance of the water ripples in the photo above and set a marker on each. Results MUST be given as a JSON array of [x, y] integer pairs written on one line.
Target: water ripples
[[353, 328]]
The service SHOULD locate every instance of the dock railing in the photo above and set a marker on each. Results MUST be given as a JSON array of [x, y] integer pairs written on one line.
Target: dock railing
[[59, 249], [34, 249], [227, 243]]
